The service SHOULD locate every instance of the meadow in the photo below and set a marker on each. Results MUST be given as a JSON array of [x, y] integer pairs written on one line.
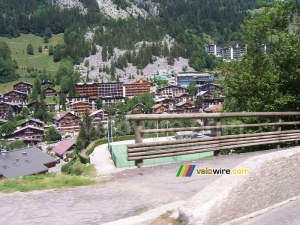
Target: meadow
[[39, 61]]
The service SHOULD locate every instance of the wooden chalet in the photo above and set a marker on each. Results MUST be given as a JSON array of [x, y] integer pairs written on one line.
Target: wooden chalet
[[204, 95], [138, 87], [210, 87], [170, 91], [159, 108], [4, 106], [50, 91], [99, 116], [33, 122], [23, 86], [79, 108], [215, 101], [16, 97], [214, 108], [46, 84], [27, 134], [183, 105], [2, 121], [181, 97], [66, 122]]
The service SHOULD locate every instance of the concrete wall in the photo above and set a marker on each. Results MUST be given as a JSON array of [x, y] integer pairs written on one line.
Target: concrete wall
[[274, 178]]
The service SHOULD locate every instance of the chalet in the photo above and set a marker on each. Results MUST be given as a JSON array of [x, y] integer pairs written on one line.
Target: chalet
[[215, 101], [138, 87], [2, 121], [66, 121], [23, 86], [16, 97], [181, 97], [1, 98], [27, 134], [91, 101], [63, 147], [183, 105], [31, 105], [210, 87], [50, 91], [214, 108], [171, 91], [186, 110], [4, 106], [159, 108], [87, 89], [79, 108], [33, 122], [24, 162], [99, 116], [47, 84], [204, 95], [166, 102]]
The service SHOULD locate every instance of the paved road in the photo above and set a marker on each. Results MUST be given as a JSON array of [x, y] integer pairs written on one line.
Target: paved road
[[131, 192], [288, 214]]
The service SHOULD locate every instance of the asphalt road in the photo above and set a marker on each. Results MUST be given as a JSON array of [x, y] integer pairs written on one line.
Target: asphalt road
[[130, 193]]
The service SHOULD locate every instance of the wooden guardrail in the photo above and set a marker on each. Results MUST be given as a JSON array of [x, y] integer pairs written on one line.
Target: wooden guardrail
[[140, 151]]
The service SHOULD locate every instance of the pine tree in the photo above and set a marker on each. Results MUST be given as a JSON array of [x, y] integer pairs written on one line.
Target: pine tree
[[10, 116], [30, 50]]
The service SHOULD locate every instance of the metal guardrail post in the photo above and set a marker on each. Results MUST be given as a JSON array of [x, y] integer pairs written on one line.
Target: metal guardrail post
[[138, 139]]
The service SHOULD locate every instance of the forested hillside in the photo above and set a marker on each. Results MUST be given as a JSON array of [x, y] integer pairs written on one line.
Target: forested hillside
[[185, 21]]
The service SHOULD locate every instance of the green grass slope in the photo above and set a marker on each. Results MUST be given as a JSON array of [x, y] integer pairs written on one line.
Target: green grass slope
[[40, 61]]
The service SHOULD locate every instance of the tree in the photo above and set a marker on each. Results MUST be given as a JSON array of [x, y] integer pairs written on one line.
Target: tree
[[40, 49], [199, 101], [7, 65], [87, 132], [40, 111], [51, 50], [10, 116], [270, 77], [101, 130], [99, 103], [30, 50], [192, 89], [52, 134], [7, 128], [16, 145]]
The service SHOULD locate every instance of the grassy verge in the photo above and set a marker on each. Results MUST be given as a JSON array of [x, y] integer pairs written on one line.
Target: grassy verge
[[42, 181]]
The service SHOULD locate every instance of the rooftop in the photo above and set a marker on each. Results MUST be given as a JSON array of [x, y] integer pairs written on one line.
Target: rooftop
[[63, 146], [23, 162]]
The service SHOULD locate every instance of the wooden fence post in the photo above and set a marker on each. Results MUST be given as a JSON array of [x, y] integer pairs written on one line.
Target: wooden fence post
[[138, 139], [278, 128], [218, 133]]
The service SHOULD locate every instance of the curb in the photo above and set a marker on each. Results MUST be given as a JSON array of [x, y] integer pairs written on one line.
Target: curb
[[147, 217]]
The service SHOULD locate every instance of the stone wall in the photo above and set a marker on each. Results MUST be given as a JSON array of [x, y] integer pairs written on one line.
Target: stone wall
[[274, 178]]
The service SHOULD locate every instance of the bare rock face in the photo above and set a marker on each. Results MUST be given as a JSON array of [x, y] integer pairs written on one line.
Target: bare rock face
[[160, 65], [115, 12], [70, 4]]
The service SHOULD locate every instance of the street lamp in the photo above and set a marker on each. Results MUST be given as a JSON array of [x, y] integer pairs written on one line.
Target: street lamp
[[111, 130]]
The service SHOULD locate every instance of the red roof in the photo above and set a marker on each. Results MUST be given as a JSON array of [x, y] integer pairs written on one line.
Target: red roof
[[63, 146]]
